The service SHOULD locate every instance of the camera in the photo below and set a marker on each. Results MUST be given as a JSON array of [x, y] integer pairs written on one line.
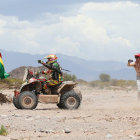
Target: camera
[[130, 60]]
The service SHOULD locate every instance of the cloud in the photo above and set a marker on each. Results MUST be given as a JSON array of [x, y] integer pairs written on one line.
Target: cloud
[[103, 31], [108, 6]]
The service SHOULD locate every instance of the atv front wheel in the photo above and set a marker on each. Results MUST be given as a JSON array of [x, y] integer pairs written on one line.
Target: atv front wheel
[[70, 100], [16, 102], [28, 100]]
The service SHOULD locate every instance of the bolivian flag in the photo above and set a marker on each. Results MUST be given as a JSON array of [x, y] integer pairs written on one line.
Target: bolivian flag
[[3, 74]]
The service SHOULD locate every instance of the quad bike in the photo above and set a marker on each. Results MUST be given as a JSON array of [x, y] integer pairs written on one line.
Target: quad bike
[[66, 95]]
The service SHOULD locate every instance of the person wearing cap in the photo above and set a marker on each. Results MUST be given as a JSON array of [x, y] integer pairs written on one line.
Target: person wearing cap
[[136, 65]]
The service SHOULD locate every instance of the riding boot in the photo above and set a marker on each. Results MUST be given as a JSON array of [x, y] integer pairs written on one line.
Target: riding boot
[[47, 90]]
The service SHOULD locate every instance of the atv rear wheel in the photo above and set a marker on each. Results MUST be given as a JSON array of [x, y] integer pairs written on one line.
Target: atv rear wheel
[[28, 100], [70, 100], [16, 102]]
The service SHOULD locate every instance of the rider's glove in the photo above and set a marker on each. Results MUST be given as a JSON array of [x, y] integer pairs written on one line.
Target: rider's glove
[[39, 61]]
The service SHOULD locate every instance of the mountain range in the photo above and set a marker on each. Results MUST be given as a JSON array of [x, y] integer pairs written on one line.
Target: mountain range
[[83, 69]]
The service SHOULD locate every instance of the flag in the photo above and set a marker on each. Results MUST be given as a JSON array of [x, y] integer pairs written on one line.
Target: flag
[[3, 74]]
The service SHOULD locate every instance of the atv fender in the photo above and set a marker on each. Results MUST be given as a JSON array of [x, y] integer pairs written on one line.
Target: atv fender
[[78, 92], [66, 86], [36, 85]]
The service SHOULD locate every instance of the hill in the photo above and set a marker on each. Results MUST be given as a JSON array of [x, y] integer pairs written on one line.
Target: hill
[[83, 69]]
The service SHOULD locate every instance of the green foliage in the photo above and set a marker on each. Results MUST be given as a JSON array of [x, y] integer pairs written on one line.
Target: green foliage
[[83, 82], [3, 131], [113, 83], [10, 83], [123, 83], [104, 82], [99, 84], [69, 77], [104, 77]]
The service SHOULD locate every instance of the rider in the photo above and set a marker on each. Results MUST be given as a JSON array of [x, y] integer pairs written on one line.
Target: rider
[[136, 65], [54, 70]]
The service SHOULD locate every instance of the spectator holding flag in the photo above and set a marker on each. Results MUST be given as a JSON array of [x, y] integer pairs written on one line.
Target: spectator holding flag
[[3, 74]]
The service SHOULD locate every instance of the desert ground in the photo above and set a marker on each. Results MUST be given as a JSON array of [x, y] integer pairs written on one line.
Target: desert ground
[[104, 114]]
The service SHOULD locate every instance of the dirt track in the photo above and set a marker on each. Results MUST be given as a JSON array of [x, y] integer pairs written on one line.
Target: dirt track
[[103, 115]]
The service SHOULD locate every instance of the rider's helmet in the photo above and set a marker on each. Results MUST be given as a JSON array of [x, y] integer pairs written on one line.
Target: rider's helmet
[[51, 58], [137, 55]]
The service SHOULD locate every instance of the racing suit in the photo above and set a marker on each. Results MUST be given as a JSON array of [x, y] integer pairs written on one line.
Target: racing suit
[[54, 73]]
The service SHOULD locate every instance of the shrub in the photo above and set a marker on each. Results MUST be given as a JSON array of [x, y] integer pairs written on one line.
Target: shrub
[[99, 84], [104, 77], [69, 77], [113, 82], [83, 82], [3, 131], [124, 83], [10, 83]]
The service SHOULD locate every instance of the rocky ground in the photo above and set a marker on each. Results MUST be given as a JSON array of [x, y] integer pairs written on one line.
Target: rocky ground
[[103, 114]]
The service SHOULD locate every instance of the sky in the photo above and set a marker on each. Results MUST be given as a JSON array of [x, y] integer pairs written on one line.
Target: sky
[[107, 30]]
